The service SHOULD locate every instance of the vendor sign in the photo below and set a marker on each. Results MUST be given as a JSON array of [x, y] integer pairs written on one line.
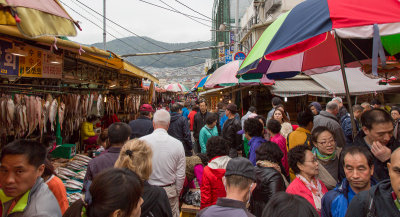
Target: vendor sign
[[9, 64]]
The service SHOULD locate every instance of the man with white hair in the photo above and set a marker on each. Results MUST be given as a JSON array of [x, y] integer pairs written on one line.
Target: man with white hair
[[342, 110], [328, 119], [168, 159]]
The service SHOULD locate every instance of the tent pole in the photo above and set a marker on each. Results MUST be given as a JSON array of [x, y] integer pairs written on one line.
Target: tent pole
[[346, 86]]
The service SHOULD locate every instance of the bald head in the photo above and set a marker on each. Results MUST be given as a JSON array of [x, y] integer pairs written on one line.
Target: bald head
[[395, 155]]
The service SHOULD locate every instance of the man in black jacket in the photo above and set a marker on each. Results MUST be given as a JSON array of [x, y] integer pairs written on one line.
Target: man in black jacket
[[179, 128], [143, 125], [199, 122], [383, 198], [377, 136], [229, 132]]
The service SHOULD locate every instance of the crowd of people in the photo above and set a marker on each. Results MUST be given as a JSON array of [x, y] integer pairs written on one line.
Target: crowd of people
[[244, 166]]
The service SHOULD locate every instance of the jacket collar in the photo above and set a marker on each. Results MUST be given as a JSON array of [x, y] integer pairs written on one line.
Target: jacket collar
[[344, 186], [304, 130], [328, 115], [143, 117], [24, 200], [226, 202], [114, 150]]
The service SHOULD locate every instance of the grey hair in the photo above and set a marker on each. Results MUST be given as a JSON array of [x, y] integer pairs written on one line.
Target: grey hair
[[357, 108], [162, 117], [338, 99], [365, 104], [332, 106]]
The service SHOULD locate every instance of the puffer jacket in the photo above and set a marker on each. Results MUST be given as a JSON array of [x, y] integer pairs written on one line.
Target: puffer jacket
[[179, 129], [39, 201], [336, 201], [229, 132], [269, 181], [330, 121], [381, 198], [212, 187]]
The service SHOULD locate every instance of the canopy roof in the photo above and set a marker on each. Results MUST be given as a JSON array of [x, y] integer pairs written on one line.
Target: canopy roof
[[359, 84], [298, 86]]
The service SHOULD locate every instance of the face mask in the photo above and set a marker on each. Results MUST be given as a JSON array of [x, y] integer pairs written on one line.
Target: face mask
[[251, 186]]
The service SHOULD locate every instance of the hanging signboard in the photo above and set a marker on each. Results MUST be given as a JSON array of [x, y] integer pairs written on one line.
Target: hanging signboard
[[232, 37], [228, 56], [9, 64], [39, 64], [221, 52]]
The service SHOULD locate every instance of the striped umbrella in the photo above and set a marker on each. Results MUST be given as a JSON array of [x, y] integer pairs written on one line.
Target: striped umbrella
[[303, 39], [200, 84], [176, 87]]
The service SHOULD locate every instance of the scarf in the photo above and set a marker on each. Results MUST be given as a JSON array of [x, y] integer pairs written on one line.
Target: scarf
[[265, 163], [316, 189], [322, 157], [396, 200]]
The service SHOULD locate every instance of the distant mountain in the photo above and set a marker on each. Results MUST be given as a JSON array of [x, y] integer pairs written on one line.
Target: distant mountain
[[148, 45]]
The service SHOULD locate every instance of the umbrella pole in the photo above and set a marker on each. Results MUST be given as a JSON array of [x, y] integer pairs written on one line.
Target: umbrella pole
[[346, 86]]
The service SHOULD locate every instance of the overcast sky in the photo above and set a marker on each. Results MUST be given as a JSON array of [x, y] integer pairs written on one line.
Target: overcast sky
[[142, 19]]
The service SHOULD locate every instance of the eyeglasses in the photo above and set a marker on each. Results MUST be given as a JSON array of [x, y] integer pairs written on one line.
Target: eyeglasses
[[332, 141], [314, 160]]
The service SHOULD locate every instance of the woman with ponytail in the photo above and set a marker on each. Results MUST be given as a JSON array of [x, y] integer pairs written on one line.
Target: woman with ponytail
[[136, 155], [115, 193]]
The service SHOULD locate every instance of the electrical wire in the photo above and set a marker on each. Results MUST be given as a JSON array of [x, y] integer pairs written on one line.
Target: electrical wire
[[124, 28], [174, 11], [184, 14], [193, 10]]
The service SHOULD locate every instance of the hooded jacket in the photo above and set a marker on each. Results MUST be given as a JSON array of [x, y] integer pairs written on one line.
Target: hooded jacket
[[380, 168], [39, 201], [179, 129], [336, 201], [330, 121], [269, 181], [212, 187], [382, 202], [155, 202]]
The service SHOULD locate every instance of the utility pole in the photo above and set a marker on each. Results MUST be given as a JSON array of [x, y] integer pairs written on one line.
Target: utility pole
[[104, 24], [237, 27]]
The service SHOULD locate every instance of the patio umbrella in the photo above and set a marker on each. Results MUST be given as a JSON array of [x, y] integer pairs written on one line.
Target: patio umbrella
[[303, 37], [37, 18], [200, 84], [225, 76], [323, 35], [176, 87]]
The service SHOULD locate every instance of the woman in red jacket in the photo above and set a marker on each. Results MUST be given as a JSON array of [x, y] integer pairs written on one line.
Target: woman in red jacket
[[212, 186], [306, 184]]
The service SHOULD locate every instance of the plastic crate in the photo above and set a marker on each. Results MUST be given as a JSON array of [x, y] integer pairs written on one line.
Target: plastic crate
[[67, 151]]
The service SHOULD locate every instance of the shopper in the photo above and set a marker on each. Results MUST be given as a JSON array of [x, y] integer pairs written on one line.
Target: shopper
[[273, 127], [179, 128], [302, 135], [281, 117], [275, 102], [168, 159], [229, 132], [347, 125], [377, 136], [328, 119], [253, 130], [199, 122], [239, 181], [288, 205], [115, 192], [358, 166], [23, 192], [208, 131], [382, 199], [306, 184], [342, 110], [212, 186], [143, 125], [136, 155], [252, 111], [118, 135], [395, 113], [55, 185], [315, 108], [269, 177], [327, 154]]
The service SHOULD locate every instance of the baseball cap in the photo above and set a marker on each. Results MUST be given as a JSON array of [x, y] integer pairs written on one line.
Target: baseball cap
[[146, 108], [242, 167]]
